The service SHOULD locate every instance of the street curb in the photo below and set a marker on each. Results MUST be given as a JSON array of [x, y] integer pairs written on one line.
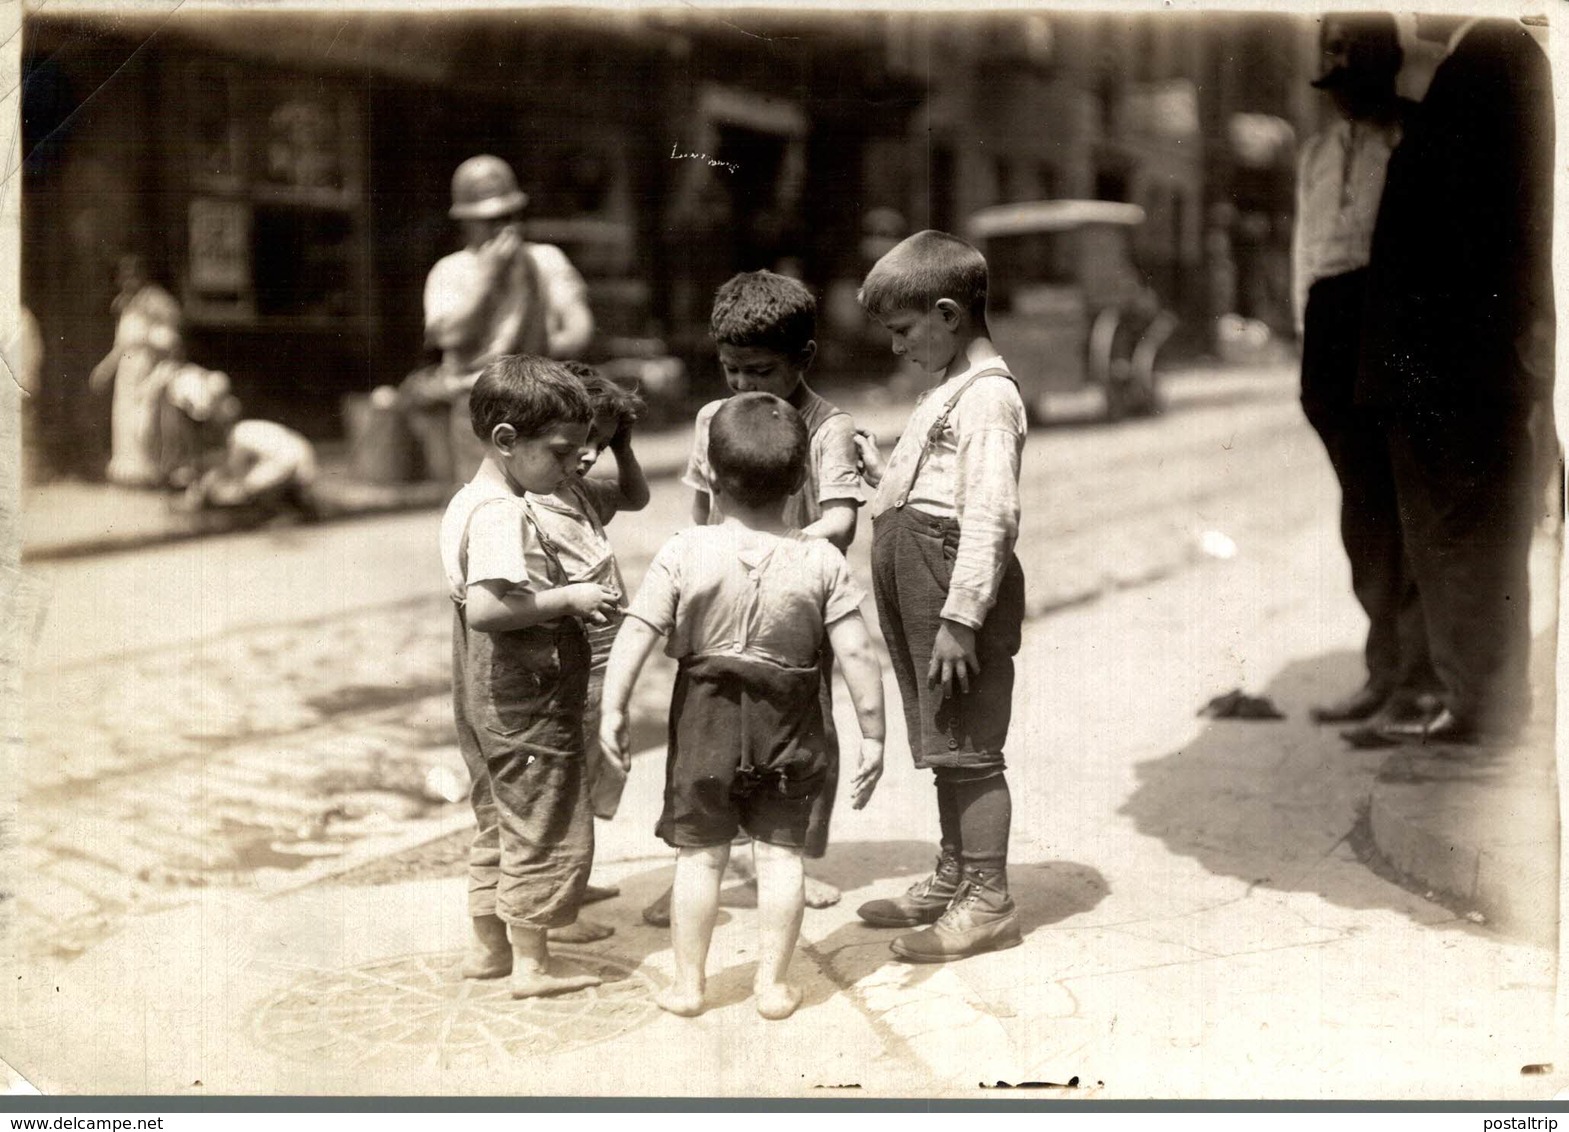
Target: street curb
[[1429, 835]]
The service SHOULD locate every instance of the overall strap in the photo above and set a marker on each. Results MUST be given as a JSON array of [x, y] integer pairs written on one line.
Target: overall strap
[[557, 572], [941, 423]]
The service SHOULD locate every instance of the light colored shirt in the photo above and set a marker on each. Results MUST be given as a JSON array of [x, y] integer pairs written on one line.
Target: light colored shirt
[[832, 470], [573, 519], [1340, 179], [486, 536], [473, 318], [265, 455], [971, 473], [734, 591]]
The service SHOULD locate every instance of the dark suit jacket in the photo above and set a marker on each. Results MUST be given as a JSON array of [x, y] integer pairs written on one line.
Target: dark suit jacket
[[1461, 254]]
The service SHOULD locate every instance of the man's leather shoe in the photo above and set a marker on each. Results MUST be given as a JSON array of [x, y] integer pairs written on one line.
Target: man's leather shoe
[[924, 903], [980, 919], [1442, 726], [1354, 708]]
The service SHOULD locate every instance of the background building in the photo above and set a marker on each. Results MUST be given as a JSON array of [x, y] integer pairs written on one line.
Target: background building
[[287, 174]]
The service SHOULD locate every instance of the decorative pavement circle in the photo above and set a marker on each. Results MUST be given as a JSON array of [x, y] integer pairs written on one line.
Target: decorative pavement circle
[[419, 1007]]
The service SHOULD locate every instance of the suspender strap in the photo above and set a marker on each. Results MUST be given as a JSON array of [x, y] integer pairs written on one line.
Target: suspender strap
[[940, 424]]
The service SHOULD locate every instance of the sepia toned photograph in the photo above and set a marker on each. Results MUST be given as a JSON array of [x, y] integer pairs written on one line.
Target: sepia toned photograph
[[988, 553]]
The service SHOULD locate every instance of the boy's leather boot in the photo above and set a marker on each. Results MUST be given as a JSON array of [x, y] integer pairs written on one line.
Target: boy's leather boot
[[924, 903], [981, 918]]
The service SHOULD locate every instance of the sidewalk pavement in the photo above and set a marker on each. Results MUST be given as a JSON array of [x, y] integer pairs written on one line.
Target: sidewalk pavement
[[1199, 921]]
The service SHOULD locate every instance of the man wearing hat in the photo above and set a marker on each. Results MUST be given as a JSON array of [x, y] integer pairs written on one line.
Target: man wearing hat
[[1457, 353], [1340, 181], [498, 295]]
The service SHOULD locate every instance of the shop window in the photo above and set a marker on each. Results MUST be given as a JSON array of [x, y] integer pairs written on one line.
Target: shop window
[[275, 199]]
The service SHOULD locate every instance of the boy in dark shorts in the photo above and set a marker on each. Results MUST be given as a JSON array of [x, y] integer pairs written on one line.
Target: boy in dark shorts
[[520, 668], [745, 605], [950, 593], [764, 326]]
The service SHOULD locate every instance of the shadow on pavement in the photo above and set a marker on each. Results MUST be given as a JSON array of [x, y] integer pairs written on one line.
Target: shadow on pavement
[[1283, 803], [1045, 892]]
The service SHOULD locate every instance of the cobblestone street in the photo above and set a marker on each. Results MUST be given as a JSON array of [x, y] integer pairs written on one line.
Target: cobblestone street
[[283, 750]]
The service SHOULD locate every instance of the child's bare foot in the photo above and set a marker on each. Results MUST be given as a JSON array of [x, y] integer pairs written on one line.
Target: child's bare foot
[[820, 894], [490, 954], [777, 1001], [595, 893], [683, 1001], [584, 931], [657, 914], [535, 980]]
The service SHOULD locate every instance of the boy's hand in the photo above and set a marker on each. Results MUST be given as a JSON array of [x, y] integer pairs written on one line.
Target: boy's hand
[[867, 773], [953, 658], [870, 459], [614, 740], [590, 600]]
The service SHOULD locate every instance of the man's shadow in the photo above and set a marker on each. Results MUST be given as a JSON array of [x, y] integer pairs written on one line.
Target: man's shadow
[[1272, 803]]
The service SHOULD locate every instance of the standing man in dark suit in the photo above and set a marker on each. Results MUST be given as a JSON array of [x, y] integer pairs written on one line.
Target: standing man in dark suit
[[1340, 180], [1457, 353]]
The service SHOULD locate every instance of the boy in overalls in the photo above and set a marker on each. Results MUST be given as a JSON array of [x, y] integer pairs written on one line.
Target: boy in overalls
[[765, 327], [950, 593], [571, 522], [745, 606], [520, 667]]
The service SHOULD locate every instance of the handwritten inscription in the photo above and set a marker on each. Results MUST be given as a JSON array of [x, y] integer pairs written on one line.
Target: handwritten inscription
[[713, 162]]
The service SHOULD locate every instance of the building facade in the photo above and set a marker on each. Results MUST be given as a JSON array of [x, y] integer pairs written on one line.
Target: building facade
[[286, 175]]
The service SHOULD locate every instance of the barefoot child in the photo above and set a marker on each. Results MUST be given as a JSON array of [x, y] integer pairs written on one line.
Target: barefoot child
[[764, 326], [571, 522], [745, 606], [950, 593], [520, 666]]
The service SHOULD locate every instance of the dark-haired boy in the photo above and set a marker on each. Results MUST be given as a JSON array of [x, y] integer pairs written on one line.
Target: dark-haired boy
[[520, 669], [764, 326], [572, 522], [950, 593], [745, 605]]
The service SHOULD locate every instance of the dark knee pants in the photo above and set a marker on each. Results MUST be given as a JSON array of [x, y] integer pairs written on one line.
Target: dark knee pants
[[912, 565], [518, 701], [1358, 449], [1465, 485]]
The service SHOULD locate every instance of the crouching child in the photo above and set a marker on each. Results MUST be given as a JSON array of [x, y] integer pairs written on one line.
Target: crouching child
[[744, 606]]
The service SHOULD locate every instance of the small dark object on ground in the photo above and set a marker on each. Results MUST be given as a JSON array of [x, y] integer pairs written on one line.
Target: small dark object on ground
[[1236, 704]]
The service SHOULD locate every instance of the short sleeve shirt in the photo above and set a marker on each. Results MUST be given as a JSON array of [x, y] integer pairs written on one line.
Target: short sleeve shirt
[[832, 471], [728, 590], [501, 544], [573, 520]]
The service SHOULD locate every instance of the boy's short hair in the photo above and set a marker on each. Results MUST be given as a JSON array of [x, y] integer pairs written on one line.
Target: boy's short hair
[[605, 395], [529, 393], [925, 267], [757, 448], [764, 310]]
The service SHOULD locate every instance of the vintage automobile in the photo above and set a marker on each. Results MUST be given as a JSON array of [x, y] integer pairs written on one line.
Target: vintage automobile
[[1080, 325]]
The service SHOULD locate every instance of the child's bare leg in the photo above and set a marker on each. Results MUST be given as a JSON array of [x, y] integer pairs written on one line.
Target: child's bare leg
[[780, 906], [490, 953], [532, 976], [694, 906], [819, 893]]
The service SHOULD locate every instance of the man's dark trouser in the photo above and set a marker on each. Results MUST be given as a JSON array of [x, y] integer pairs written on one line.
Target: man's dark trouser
[[1465, 484], [1381, 577]]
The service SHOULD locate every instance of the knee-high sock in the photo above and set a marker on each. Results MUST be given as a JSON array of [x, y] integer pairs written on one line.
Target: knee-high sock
[[985, 815], [948, 817]]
